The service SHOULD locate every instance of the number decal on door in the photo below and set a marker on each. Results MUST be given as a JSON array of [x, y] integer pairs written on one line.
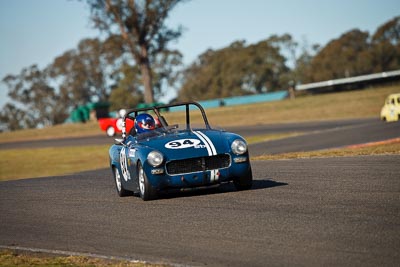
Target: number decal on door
[[124, 164]]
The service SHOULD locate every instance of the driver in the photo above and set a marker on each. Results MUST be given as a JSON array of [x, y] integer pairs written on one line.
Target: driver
[[144, 123]]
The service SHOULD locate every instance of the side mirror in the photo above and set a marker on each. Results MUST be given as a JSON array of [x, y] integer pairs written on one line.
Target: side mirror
[[118, 141]]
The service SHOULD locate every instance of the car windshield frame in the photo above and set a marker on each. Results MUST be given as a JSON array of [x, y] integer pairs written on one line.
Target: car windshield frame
[[164, 128]]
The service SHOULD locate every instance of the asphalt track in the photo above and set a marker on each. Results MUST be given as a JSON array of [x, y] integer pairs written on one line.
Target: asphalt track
[[332, 135], [314, 212], [335, 212], [316, 136]]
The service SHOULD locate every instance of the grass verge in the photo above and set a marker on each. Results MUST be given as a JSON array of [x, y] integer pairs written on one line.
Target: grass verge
[[331, 106], [383, 148], [57, 131], [13, 258], [40, 162]]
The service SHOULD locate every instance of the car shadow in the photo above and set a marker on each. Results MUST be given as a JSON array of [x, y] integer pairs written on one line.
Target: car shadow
[[257, 185], [222, 189], [262, 184]]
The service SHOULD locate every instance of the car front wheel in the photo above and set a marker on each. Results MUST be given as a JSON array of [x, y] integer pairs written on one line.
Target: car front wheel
[[146, 191], [245, 182]]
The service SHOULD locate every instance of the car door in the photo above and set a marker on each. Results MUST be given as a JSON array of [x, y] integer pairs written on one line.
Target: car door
[[397, 107], [392, 108], [128, 168]]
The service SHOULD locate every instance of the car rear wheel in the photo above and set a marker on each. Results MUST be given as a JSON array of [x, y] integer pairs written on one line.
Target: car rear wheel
[[245, 182], [118, 184], [146, 191], [110, 131]]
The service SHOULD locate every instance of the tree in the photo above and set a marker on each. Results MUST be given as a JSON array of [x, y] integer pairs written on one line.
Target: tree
[[125, 94], [166, 72], [236, 70], [302, 71], [15, 119], [127, 80], [343, 57], [83, 74], [388, 32], [357, 53], [39, 104], [386, 46], [123, 98], [141, 26]]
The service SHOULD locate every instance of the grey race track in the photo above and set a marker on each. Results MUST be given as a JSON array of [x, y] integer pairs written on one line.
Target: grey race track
[[317, 135], [330, 135], [314, 212]]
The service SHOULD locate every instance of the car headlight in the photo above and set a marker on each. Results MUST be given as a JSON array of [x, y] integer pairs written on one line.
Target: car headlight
[[155, 158], [239, 147]]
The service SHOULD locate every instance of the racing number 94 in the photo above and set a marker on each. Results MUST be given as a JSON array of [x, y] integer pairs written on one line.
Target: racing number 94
[[182, 143]]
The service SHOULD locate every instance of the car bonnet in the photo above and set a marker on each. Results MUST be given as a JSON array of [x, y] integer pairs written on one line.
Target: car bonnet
[[186, 144]]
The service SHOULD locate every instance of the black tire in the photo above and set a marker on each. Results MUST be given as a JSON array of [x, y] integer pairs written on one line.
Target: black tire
[[118, 185], [146, 191], [244, 183]]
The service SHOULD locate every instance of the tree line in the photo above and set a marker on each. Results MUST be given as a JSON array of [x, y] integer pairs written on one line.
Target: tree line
[[134, 64]]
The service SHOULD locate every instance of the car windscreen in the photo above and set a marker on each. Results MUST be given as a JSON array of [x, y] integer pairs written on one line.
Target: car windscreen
[[176, 118]]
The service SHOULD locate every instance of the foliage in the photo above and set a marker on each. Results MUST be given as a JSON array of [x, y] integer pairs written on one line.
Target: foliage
[[39, 103], [94, 71], [343, 57], [82, 73], [141, 25], [15, 118], [123, 98], [386, 46], [235, 70], [133, 63], [357, 53]]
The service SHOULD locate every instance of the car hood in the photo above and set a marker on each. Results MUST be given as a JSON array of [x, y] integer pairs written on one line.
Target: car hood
[[189, 144]]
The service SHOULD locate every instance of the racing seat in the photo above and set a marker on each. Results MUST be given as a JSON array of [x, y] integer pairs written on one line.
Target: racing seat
[[132, 131]]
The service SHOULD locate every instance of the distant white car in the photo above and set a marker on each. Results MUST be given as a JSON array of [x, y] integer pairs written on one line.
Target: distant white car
[[391, 109]]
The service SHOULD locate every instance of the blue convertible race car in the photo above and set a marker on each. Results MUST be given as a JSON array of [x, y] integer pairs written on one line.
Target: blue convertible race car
[[179, 152]]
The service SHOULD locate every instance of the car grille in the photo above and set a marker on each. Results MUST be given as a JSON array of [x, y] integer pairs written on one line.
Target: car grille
[[198, 164]]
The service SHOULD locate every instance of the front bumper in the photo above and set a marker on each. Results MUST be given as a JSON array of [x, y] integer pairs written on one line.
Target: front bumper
[[160, 179]]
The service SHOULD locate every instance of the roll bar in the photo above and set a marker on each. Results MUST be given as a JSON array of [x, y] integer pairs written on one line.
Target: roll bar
[[157, 109]]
